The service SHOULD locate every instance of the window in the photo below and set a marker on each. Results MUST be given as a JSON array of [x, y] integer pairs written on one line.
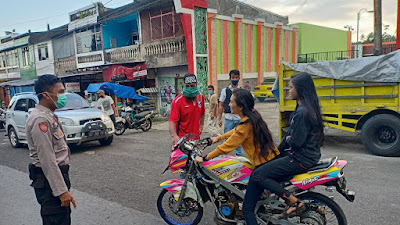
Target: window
[[31, 103], [21, 105], [164, 24], [43, 52], [11, 58], [135, 37], [113, 41], [88, 40], [25, 56]]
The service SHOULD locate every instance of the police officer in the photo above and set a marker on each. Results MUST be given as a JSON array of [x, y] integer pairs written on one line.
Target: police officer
[[49, 153]]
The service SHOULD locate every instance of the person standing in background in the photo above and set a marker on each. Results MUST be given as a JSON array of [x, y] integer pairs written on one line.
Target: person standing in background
[[231, 120], [212, 111], [106, 103], [247, 86]]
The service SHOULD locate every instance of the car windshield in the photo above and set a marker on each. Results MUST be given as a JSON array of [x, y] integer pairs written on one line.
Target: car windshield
[[75, 101]]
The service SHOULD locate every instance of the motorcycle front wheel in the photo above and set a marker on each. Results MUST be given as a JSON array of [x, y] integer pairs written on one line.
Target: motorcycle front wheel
[[321, 210], [120, 128], [190, 212]]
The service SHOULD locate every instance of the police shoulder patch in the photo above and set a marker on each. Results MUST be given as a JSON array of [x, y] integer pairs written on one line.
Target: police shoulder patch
[[44, 127]]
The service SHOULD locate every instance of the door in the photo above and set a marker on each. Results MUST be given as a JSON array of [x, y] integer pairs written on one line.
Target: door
[[179, 85], [20, 114]]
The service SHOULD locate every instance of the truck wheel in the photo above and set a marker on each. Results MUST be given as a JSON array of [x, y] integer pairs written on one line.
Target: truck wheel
[[381, 135], [106, 141]]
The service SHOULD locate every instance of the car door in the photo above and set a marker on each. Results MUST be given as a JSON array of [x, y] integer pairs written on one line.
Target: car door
[[19, 115]]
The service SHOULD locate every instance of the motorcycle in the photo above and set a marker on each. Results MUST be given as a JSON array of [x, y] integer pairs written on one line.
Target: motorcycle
[[223, 180], [133, 119]]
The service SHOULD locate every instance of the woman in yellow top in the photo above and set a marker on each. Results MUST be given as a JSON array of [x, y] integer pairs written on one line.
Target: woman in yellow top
[[251, 133]]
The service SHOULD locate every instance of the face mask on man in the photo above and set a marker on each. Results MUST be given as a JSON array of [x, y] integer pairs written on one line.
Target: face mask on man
[[210, 92], [234, 82], [61, 102], [190, 92]]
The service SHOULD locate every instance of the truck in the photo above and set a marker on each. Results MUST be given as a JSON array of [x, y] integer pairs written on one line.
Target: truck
[[365, 100]]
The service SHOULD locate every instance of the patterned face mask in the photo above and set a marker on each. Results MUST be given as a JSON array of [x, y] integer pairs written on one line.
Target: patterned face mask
[[190, 92]]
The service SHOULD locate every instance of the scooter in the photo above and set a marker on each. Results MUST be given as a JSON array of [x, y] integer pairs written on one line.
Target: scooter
[[133, 119]]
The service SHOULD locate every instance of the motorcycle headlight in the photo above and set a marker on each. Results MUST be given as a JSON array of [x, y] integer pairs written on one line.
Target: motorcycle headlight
[[66, 121], [105, 118]]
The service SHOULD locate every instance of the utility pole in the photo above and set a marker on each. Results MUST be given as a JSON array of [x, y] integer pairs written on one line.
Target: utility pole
[[398, 26], [378, 27]]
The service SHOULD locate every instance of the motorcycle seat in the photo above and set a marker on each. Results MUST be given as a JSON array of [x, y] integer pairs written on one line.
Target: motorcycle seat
[[323, 164], [142, 114]]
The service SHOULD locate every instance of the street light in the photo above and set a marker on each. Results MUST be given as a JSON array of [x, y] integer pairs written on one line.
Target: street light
[[358, 19], [349, 27]]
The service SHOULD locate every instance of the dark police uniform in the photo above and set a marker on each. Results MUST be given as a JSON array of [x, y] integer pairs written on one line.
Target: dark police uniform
[[50, 164]]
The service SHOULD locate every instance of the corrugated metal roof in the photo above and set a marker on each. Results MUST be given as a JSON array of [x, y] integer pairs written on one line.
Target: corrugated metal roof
[[15, 83], [134, 7], [148, 90]]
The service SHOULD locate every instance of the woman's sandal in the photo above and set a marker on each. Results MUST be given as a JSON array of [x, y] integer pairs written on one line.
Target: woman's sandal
[[299, 207]]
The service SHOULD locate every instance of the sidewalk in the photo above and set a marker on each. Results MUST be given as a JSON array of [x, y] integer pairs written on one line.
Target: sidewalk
[[19, 205]]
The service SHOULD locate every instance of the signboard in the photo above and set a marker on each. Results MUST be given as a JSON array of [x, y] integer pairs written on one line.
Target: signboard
[[119, 72], [73, 87]]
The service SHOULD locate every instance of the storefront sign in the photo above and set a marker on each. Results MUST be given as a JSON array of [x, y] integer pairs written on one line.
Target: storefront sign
[[119, 72], [73, 87]]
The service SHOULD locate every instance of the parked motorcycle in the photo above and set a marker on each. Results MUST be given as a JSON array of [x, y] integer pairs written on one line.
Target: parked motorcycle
[[223, 181], [133, 119], [2, 119]]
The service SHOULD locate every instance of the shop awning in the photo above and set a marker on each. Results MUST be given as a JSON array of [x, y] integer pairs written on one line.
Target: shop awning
[[121, 91], [18, 83]]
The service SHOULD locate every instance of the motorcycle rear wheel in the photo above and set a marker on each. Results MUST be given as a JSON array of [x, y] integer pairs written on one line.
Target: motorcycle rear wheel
[[147, 125], [120, 128], [165, 203], [334, 214]]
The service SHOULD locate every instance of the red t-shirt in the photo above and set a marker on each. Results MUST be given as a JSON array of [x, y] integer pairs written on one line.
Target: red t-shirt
[[187, 114]]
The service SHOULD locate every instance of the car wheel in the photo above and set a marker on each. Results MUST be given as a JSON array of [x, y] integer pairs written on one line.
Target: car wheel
[[13, 137], [106, 141]]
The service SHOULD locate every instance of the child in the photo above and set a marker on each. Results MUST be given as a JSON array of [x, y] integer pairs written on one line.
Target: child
[[302, 142]]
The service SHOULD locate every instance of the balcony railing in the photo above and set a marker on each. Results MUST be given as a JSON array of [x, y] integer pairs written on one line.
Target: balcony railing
[[165, 46], [90, 58], [138, 53], [9, 69], [124, 54]]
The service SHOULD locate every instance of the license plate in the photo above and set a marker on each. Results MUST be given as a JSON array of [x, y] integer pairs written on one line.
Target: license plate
[[96, 133]]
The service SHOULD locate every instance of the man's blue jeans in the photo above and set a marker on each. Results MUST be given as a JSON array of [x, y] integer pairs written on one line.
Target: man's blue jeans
[[229, 125]]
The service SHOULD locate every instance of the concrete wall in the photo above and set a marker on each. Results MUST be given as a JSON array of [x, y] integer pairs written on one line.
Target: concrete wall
[[44, 66], [313, 38]]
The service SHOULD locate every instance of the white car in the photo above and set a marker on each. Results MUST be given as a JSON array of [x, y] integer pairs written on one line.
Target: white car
[[80, 122]]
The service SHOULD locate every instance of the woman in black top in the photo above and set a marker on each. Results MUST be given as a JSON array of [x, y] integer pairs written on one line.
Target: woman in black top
[[300, 150]]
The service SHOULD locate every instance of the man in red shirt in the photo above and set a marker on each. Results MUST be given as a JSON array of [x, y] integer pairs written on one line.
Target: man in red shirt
[[187, 110]]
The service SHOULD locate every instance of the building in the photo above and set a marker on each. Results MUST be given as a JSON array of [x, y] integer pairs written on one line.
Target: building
[[317, 43]]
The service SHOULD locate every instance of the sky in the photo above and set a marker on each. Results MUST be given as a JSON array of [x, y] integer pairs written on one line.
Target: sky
[[35, 15]]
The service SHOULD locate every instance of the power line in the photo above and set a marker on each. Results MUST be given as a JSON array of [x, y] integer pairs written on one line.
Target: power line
[[299, 8]]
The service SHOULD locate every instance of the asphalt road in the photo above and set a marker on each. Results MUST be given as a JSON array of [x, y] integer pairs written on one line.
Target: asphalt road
[[119, 184]]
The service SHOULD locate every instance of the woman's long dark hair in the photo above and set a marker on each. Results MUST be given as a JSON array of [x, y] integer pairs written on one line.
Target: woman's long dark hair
[[262, 135], [307, 94]]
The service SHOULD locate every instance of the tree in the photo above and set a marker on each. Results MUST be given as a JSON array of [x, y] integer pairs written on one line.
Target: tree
[[365, 39]]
